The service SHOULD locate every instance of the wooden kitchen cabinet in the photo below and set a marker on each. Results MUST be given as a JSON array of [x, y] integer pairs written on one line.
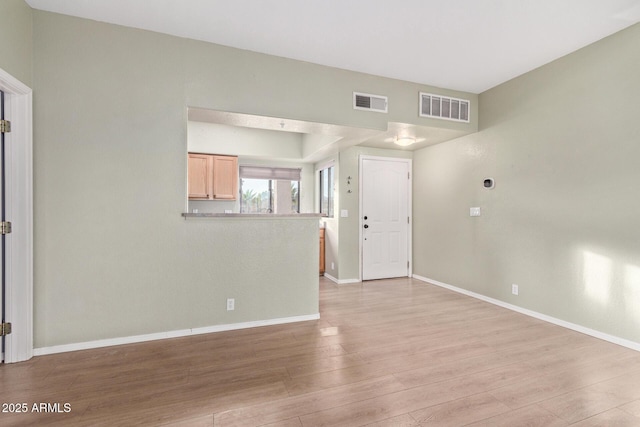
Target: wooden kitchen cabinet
[[212, 177], [199, 169], [225, 177]]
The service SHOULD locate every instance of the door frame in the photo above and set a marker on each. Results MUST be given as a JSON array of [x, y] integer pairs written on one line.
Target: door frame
[[409, 163], [19, 193]]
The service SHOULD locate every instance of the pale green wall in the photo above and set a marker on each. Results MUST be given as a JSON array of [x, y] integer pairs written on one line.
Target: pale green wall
[[113, 256], [16, 46], [563, 144]]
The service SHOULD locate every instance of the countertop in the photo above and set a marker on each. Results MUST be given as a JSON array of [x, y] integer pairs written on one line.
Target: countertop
[[252, 216]]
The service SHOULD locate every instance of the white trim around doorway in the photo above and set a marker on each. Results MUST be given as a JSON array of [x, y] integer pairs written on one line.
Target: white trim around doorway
[[19, 192]]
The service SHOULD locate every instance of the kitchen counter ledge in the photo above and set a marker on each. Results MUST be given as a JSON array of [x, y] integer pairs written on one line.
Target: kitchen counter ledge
[[252, 216]]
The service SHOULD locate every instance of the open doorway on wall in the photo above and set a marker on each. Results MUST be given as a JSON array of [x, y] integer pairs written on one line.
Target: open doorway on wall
[[17, 221], [5, 326]]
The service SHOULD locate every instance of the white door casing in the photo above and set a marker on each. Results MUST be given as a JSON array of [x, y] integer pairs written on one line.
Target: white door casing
[[385, 201], [19, 193]]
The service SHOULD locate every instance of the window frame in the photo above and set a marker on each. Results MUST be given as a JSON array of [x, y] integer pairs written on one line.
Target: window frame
[[327, 168], [270, 174]]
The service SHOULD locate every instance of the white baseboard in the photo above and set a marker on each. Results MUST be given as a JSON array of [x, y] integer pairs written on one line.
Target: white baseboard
[[592, 332], [330, 277], [170, 334], [341, 282]]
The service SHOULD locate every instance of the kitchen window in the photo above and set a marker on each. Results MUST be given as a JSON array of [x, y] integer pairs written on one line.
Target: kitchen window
[[269, 190]]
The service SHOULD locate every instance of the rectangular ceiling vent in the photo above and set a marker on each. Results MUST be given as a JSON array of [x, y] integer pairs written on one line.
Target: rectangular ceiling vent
[[365, 101], [444, 107]]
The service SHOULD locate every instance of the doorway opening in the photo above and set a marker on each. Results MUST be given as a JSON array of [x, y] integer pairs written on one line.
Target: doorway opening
[[5, 327], [18, 210]]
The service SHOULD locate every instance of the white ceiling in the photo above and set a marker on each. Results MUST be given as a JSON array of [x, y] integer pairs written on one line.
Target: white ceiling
[[468, 45]]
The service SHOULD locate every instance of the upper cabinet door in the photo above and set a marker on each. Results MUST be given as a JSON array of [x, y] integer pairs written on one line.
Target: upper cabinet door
[[225, 177], [199, 176]]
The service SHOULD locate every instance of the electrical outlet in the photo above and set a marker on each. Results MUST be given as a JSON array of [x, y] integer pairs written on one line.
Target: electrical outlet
[[514, 289], [333, 266], [231, 304]]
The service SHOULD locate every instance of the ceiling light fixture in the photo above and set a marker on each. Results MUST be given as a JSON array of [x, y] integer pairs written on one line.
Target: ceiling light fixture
[[403, 141]]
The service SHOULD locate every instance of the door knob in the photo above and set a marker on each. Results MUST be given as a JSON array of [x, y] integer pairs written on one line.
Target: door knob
[[365, 217], [366, 226]]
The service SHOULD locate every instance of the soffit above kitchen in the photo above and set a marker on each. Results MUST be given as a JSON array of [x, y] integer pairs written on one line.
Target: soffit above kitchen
[[319, 140]]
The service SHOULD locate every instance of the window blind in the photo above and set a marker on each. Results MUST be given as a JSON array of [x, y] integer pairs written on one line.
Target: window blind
[[262, 172]]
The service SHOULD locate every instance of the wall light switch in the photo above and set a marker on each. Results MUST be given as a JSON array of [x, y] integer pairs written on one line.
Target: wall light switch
[[474, 211], [344, 213]]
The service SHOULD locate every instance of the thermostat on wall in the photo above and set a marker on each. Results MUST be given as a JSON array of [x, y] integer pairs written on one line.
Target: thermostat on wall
[[488, 183]]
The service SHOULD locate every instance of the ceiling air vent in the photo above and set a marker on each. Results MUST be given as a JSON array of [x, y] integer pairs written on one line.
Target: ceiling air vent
[[444, 107], [365, 101]]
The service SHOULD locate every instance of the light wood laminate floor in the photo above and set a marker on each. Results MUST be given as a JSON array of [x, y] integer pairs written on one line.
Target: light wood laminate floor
[[385, 353]]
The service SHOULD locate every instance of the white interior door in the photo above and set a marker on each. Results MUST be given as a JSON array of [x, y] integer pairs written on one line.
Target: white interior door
[[385, 222]]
